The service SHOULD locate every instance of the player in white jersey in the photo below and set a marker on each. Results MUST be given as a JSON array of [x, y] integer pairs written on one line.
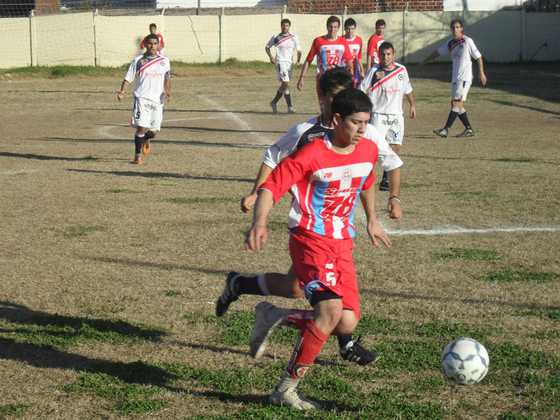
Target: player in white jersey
[[285, 43], [461, 48], [386, 84], [286, 285], [151, 72]]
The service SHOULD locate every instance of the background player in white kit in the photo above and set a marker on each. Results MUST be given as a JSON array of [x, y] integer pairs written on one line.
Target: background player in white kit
[[461, 48], [285, 43], [385, 84], [151, 72]]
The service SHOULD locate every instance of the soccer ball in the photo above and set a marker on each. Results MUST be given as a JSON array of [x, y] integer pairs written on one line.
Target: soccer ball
[[465, 361]]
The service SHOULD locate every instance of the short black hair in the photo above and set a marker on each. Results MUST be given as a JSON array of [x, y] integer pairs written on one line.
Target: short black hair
[[350, 101], [153, 25], [349, 22], [285, 21], [333, 19], [337, 77], [454, 21], [380, 22], [385, 46], [151, 36]]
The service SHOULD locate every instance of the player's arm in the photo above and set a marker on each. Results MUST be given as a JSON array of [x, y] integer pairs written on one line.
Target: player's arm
[[394, 204], [410, 98], [432, 56], [303, 73], [167, 88], [298, 58], [374, 229], [361, 69], [248, 201], [258, 235], [124, 86], [481, 74], [270, 56]]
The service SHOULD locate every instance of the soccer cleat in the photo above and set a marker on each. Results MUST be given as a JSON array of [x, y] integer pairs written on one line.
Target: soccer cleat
[[146, 147], [355, 352], [291, 110], [274, 108], [442, 133], [267, 318], [292, 397], [384, 185], [469, 132], [228, 296], [137, 160]]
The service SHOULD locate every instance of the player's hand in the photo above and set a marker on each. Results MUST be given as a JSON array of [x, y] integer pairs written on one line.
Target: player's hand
[[375, 231], [273, 60], [168, 96], [482, 77], [413, 112], [297, 64], [300, 84], [395, 210], [120, 96], [256, 236], [248, 202]]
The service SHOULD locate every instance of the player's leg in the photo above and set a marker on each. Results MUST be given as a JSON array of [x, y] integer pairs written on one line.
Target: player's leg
[[381, 124], [456, 105], [286, 85], [148, 136], [469, 132], [280, 92]]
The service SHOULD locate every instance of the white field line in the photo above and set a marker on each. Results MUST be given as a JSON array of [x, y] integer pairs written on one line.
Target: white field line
[[18, 171], [105, 129], [240, 121], [454, 230]]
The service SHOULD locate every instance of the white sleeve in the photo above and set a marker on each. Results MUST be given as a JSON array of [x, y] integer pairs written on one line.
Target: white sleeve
[[366, 83], [473, 50], [387, 158], [296, 41], [131, 72], [407, 85], [285, 146], [270, 43], [444, 49]]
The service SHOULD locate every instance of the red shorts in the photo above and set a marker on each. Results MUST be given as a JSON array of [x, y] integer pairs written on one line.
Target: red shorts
[[326, 264]]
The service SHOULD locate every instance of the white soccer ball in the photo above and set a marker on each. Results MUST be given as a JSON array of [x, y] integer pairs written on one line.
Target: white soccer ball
[[465, 361]]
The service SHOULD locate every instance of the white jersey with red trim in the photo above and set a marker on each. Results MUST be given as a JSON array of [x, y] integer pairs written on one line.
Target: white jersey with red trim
[[305, 132], [285, 44], [461, 51], [150, 74], [386, 88], [324, 185]]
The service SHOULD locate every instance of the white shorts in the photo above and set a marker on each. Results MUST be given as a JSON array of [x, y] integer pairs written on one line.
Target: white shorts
[[459, 90], [284, 70], [389, 125], [147, 114]]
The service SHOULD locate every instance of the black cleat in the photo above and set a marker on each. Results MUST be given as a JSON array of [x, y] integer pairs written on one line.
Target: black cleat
[[228, 296], [442, 132], [355, 352]]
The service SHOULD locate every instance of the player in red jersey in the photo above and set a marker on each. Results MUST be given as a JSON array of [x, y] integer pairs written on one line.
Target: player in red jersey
[[355, 43], [325, 179], [153, 30], [373, 44], [331, 51]]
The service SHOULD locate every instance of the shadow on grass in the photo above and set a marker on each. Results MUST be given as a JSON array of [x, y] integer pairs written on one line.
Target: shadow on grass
[[44, 157], [163, 175]]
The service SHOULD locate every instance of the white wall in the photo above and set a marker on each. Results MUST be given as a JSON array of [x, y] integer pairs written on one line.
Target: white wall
[[478, 5], [88, 39]]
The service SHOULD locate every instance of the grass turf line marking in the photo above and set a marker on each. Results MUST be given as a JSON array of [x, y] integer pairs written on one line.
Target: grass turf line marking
[[237, 119], [458, 230]]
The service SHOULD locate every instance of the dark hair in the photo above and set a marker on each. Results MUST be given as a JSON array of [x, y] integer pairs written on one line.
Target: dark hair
[[337, 77], [350, 101], [349, 22], [385, 46], [151, 36], [153, 25], [380, 22], [285, 21], [454, 21], [333, 19]]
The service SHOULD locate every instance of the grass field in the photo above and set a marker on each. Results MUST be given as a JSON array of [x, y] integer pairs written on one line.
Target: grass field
[[110, 271]]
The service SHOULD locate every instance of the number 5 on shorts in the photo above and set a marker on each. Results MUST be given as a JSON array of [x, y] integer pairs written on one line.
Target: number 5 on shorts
[[331, 279]]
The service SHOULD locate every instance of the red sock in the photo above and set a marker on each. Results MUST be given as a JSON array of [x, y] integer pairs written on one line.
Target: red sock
[[308, 346], [298, 319]]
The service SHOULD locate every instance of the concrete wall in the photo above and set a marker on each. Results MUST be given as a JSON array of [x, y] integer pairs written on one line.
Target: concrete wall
[[90, 39]]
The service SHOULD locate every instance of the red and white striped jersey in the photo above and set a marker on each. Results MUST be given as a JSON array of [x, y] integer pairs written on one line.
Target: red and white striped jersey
[[329, 53]]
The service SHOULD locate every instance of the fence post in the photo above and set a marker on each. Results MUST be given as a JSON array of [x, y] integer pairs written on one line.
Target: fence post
[[404, 33], [32, 38], [344, 12], [284, 12], [523, 52], [221, 18], [96, 49]]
